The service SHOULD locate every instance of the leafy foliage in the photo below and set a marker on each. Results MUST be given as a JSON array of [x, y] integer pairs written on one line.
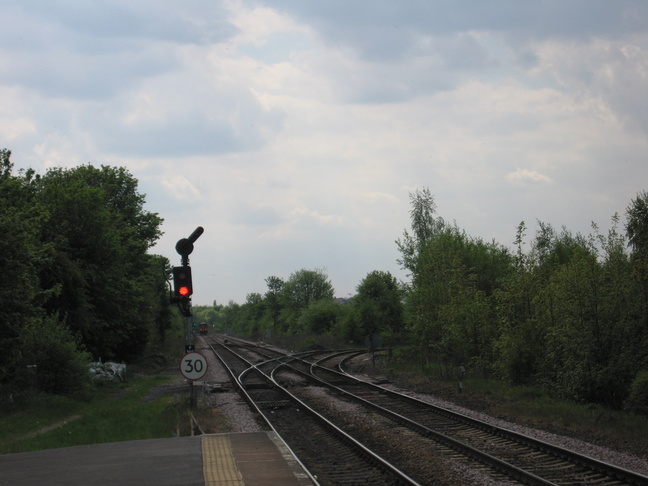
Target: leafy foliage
[[77, 273], [379, 307], [638, 397], [569, 313], [53, 353]]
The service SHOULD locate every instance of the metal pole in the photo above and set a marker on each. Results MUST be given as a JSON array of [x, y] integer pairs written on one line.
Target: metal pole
[[185, 247], [189, 337], [192, 396]]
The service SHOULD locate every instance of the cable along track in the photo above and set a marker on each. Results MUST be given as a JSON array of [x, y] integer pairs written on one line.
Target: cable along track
[[329, 455]]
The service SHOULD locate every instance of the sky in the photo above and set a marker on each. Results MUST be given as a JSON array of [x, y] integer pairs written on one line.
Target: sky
[[295, 131]]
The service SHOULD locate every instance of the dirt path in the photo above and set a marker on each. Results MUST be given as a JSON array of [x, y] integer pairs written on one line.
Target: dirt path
[[52, 426]]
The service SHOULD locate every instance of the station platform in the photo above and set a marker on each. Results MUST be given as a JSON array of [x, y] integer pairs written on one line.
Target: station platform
[[241, 459]]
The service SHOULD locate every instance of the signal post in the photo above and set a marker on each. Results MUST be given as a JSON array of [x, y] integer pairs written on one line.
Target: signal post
[[193, 365]]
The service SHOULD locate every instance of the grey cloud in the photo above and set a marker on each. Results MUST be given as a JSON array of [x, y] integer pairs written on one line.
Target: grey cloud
[[144, 19], [386, 29], [191, 134], [78, 49], [185, 134], [613, 71], [440, 62], [464, 52], [389, 84], [210, 118], [255, 216], [68, 75]]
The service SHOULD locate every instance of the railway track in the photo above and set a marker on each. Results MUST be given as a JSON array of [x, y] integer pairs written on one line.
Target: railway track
[[330, 455], [413, 425], [528, 460]]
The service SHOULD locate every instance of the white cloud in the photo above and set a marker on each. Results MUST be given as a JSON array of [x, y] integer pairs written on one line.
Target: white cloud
[[294, 131], [180, 189], [523, 176], [13, 128], [259, 24], [612, 70]]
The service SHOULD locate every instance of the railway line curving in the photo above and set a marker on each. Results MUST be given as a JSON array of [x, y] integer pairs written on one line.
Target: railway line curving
[[393, 438]]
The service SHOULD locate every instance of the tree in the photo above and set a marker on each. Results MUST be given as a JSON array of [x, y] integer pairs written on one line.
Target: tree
[[424, 226], [637, 230], [637, 224], [299, 291], [380, 306], [76, 272], [319, 317], [453, 281], [54, 354], [102, 282], [273, 297], [306, 286], [22, 253]]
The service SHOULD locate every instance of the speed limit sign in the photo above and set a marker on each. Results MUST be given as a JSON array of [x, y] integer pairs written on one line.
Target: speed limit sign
[[193, 366]]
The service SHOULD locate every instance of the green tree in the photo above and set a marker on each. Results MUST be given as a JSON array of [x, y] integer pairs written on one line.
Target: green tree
[[567, 317], [100, 268], [637, 224], [21, 256], [637, 231], [76, 270], [451, 296], [424, 291], [424, 226], [306, 286], [273, 298], [299, 291], [320, 317], [54, 356], [380, 307]]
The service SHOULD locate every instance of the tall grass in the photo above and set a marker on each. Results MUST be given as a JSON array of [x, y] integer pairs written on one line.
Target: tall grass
[[111, 414], [533, 406]]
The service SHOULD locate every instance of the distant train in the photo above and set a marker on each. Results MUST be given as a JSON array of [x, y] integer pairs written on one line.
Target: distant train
[[203, 328]]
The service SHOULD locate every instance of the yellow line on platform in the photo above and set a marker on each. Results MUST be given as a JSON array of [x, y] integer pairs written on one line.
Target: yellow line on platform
[[219, 467]]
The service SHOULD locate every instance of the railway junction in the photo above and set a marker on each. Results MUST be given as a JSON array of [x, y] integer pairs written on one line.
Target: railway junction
[[323, 426]]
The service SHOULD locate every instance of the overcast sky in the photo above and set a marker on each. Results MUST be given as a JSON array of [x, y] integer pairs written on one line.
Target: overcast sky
[[294, 131]]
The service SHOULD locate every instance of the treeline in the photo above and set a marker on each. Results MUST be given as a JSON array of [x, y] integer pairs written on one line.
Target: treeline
[[564, 311], [77, 282], [304, 305]]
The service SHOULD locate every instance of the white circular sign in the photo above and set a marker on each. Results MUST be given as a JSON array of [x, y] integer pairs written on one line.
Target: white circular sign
[[193, 366]]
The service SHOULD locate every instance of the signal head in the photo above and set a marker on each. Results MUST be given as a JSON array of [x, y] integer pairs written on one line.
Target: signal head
[[182, 284]]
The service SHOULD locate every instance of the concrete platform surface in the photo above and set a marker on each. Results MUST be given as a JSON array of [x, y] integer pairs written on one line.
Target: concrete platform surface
[[246, 459]]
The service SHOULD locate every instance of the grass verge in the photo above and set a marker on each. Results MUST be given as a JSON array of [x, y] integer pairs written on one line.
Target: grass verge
[[538, 407], [114, 412], [532, 406]]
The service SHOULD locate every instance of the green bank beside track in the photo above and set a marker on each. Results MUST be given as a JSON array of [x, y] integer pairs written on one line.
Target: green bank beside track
[[530, 406], [112, 412]]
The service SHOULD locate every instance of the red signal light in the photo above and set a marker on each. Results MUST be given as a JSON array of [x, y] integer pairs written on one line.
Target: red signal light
[[182, 281]]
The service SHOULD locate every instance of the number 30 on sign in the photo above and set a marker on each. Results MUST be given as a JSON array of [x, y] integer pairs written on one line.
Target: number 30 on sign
[[193, 366]]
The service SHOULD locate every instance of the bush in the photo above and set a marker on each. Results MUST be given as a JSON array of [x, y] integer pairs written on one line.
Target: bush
[[638, 399], [319, 317], [49, 349]]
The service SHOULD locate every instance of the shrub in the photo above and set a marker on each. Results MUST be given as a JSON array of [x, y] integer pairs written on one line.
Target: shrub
[[638, 399], [49, 348]]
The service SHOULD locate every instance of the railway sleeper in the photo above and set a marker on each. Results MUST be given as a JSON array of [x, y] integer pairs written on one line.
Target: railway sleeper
[[274, 404], [258, 386]]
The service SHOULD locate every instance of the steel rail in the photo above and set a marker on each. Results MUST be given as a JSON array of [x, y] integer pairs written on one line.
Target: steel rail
[[364, 451], [457, 445], [626, 475], [610, 470], [257, 410]]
